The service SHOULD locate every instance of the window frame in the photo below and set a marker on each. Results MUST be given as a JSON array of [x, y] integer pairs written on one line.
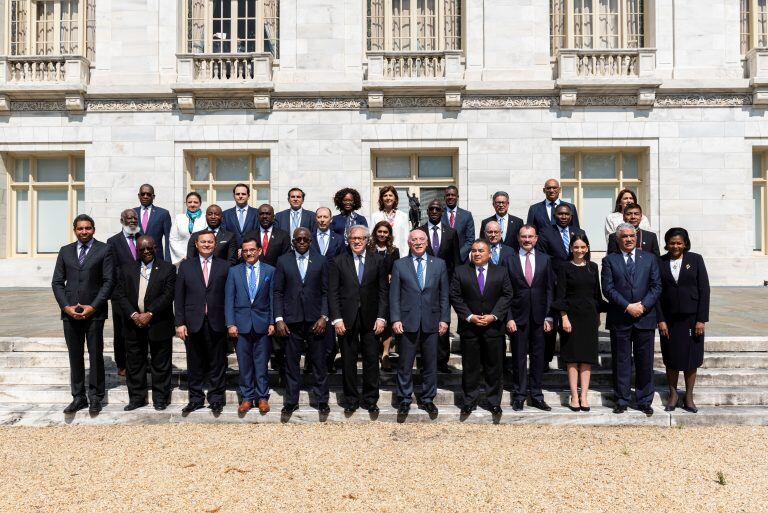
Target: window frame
[[440, 25], [32, 186], [755, 36], [568, 37], [211, 184], [762, 183], [30, 43]]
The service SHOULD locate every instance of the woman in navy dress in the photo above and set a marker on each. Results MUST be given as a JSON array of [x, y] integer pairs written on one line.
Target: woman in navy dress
[[347, 202]]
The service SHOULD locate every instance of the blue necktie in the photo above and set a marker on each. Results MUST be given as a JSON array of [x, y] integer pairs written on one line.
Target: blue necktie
[[81, 257], [420, 272], [495, 254], [323, 242], [630, 267], [360, 269], [302, 266], [252, 283], [294, 220], [566, 238], [241, 218]]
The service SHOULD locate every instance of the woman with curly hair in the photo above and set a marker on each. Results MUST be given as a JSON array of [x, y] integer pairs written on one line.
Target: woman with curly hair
[[381, 243], [347, 201], [397, 219]]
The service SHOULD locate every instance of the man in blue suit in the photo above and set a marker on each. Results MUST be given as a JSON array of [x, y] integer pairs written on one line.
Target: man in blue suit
[[420, 311], [241, 218], [542, 214], [301, 315], [295, 217], [154, 221], [500, 252], [460, 220], [249, 319], [632, 285]]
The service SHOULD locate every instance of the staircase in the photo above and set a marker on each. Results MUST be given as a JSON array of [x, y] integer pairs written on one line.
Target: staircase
[[732, 388]]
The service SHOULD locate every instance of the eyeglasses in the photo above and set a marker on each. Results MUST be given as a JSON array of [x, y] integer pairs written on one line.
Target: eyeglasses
[[356, 239], [434, 209], [301, 239]]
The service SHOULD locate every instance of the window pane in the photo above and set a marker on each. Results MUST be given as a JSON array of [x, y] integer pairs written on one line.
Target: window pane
[[393, 167], [629, 163], [567, 165], [79, 170], [435, 167], [426, 195], [200, 171], [203, 194], [598, 166], [22, 221], [233, 169], [568, 194], [758, 215], [402, 199], [224, 197], [757, 171], [597, 203], [52, 170], [262, 168], [80, 202], [262, 194], [52, 220], [22, 170]]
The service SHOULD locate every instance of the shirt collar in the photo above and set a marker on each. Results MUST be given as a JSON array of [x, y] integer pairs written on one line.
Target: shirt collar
[[431, 225], [149, 265], [423, 257], [523, 252], [87, 246], [255, 266], [631, 253], [209, 259], [556, 202]]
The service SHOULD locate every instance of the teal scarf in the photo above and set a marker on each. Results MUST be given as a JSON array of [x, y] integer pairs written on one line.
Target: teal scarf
[[192, 216]]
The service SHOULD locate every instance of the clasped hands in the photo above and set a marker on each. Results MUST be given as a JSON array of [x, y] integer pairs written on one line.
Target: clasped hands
[[635, 309], [142, 319], [85, 311]]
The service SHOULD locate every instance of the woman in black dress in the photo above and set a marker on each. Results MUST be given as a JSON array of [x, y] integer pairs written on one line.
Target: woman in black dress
[[682, 310], [382, 243], [579, 301]]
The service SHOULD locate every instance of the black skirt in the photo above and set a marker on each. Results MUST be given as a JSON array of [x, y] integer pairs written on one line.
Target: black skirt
[[682, 351]]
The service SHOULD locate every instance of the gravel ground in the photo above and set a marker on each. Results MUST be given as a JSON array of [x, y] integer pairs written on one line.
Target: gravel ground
[[377, 467]]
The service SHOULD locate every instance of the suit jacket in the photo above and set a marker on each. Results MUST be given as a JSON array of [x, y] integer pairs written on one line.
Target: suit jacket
[[647, 241], [192, 295], [279, 244], [689, 294], [531, 301], [339, 223], [551, 243], [464, 224], [335, 245], [450, 248], [159, 228], [495, 299], [419, 309], [230, 223], [239, 311], [90, 284], [226, 246], [348, 298], [505, 252], [158, 298], [620, 290], [121, 253], [283, 220], [538, 216], [297, 300], [513, 226]]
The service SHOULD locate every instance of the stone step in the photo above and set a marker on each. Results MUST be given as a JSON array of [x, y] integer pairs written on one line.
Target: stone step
[[51, 415]]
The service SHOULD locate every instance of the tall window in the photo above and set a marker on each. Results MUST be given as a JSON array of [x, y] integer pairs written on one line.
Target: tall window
[[214, 176], [596, 24], [424, 173], [51, 27], [592, 180], [413, 25], [46, 194], [759, 198], [232, 26], [754, 24]]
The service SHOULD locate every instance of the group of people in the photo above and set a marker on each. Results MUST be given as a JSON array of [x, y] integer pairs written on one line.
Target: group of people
[[300, 282]]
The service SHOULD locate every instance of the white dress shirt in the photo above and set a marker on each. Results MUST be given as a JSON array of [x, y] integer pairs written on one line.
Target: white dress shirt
[[521, 253]]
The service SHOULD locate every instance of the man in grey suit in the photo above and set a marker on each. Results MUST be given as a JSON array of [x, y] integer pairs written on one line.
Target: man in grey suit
[[420, 311]]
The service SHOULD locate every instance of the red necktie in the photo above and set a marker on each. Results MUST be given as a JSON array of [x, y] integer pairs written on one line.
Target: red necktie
[[452, 220], [528, 269], [265, 242]]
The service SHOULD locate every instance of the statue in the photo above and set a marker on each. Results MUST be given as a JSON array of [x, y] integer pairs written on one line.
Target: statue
[[414, 211]]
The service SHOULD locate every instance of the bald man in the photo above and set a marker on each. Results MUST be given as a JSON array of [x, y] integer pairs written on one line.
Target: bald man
[[542, 214]]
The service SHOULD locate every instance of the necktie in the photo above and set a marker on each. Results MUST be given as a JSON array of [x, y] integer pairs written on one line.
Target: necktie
[[241, 218], [303, 266], [143, 282], [435, 240], [294, 220], [252, 282], [528, 269], [81, 257], [503, 224], [144, 220], [323, 242], [495, 254], [481, 280], [551, 208], [205, 280], [566, 238], [452, 219], [265, 242], [132, 246], [360, 268], [630, 267], [420, 272], [639, 244]]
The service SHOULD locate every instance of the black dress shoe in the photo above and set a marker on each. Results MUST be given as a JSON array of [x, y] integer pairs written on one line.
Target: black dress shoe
[[289, 408], [690, 409], [350, 408], [518, 405], [574, 408], [670, 407], [95, 406], [444, 369], [77, 404], [430, 408], [466, 410], [619, 409], [133, 406], [372, 408], [190, 407], [540, 404], [495, 410], [160, 405], [403, 409], [646, 408], [323, 408], [217, 407]]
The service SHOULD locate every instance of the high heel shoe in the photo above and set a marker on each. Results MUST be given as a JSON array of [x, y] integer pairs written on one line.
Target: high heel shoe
[[670, 407], [583, 408], [691, 409], [574, 408]]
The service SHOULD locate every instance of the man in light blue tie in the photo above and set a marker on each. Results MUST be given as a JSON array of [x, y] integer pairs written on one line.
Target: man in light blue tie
[[241, 218], [499, 252], [420, 312], [508, 223], [295, 216]]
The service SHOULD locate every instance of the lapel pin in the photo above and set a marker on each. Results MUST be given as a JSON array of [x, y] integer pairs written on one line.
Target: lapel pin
[[687, 266]]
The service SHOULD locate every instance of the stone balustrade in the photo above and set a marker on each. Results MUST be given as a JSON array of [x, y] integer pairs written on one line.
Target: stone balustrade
[[606, 64], [415, 65], [44, 70], [224, 68]]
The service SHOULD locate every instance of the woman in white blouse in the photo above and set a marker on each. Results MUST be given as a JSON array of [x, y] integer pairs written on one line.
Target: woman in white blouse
[[184, 225], [615, 218], [397, 219]]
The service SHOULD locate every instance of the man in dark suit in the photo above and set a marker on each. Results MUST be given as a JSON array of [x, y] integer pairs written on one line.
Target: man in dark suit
[[542, 214], [646, 241], [241, 218], [509, 224], [144, 295], [295, 216], [301, 314], [358, 293], [226, 242], [123, 247], [199, 305], [249, 319], [82, 282], [274, 241], [500, 253], [632, 284], [481, 294], [460, 220], [533, 281], [420, 312], [154, 221]]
